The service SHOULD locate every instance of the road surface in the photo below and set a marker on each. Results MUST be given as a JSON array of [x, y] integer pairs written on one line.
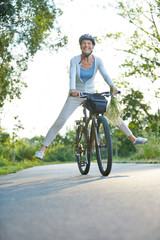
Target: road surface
[[55, 202]]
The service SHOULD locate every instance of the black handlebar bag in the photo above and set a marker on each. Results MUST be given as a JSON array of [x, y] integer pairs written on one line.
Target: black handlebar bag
[[96, 103]]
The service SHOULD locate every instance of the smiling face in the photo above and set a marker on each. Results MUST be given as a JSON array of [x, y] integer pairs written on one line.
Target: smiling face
[[87, 46]]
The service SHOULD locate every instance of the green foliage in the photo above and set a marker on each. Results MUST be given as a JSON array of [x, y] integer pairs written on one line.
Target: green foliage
[[122, 146], [4, 137], [143, 43], [7, 167], [153, 124], [135, 109], [64, 151], [25, 29], [3, 162], [142, 61], [151, 150], [35, 141], [24, 150], [113, 111], [68, 139], [5, 143], [61, 153]]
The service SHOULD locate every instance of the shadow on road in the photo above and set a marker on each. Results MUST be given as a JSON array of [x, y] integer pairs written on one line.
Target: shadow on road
[[32, 188]]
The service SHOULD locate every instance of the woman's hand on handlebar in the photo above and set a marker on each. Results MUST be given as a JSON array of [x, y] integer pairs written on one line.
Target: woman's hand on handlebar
[[115, 91], [74, 93]]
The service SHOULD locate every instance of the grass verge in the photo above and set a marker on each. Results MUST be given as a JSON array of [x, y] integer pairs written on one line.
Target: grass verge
[[18, 166], [12, 168], [123, 160], [7, 168]]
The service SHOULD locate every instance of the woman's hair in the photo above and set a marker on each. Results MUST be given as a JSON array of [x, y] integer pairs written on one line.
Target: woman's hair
[[87, 37]]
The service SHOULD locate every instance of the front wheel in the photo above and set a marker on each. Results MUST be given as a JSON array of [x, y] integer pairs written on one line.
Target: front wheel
[[104, 146], [82, 152]]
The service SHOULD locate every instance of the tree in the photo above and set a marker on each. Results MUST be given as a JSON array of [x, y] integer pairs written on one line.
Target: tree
[[5, 143], [17, 127], [144, 44], [25, 28], [142, 57], [135, 109]]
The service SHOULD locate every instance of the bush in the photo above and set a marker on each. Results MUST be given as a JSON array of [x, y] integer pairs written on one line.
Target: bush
[[150, 150], [6, 152], [3, 162], [61, 153], [24, 150]]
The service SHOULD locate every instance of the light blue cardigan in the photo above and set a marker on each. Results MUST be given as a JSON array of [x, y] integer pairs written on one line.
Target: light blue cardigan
[[77, 83]]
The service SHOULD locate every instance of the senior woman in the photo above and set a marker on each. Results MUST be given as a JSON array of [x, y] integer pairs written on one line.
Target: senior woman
[[83, 69]]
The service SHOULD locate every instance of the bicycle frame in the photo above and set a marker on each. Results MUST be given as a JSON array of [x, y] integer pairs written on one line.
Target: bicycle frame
[[91, 135], [97, 136]]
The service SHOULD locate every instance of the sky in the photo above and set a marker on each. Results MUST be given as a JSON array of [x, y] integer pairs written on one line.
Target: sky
[[47, 75]]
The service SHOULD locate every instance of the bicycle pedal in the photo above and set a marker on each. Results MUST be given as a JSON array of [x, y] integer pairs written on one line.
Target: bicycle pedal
[[83, 163]]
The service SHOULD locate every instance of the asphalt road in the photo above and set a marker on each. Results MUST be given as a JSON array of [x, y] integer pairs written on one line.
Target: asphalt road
[[56, 202]]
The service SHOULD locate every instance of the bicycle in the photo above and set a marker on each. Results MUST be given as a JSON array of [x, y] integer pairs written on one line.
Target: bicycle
[[93, 132]]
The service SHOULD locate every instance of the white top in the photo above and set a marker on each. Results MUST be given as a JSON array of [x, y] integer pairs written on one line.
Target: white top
[[77, 83]]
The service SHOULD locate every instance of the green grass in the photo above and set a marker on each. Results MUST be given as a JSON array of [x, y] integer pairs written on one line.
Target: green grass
[[127, 160], [7, 168], [18, 166], [12, 168]]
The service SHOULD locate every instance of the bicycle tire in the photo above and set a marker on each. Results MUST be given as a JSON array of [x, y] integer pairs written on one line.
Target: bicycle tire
[[104, 147], [82, 152]]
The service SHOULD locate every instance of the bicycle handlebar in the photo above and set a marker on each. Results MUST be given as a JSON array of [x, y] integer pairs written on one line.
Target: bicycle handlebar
[[106, 94]]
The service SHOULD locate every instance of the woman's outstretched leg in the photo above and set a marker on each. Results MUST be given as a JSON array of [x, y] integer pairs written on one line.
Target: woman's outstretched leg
[[124, 128], [71, 104]]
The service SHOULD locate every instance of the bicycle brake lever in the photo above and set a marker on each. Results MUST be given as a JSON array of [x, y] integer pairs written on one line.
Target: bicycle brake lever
[[83, 95]]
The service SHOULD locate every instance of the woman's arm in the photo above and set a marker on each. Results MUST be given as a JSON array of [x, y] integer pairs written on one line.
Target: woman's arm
[[72, 74], [104, 74], [73, 91]]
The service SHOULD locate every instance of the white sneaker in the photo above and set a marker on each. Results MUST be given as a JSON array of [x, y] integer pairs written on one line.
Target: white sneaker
[[140, 140], [39, 155]]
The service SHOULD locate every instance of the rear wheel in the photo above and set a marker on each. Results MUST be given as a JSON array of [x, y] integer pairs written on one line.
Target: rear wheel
[[104, 147], [82, 152]]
